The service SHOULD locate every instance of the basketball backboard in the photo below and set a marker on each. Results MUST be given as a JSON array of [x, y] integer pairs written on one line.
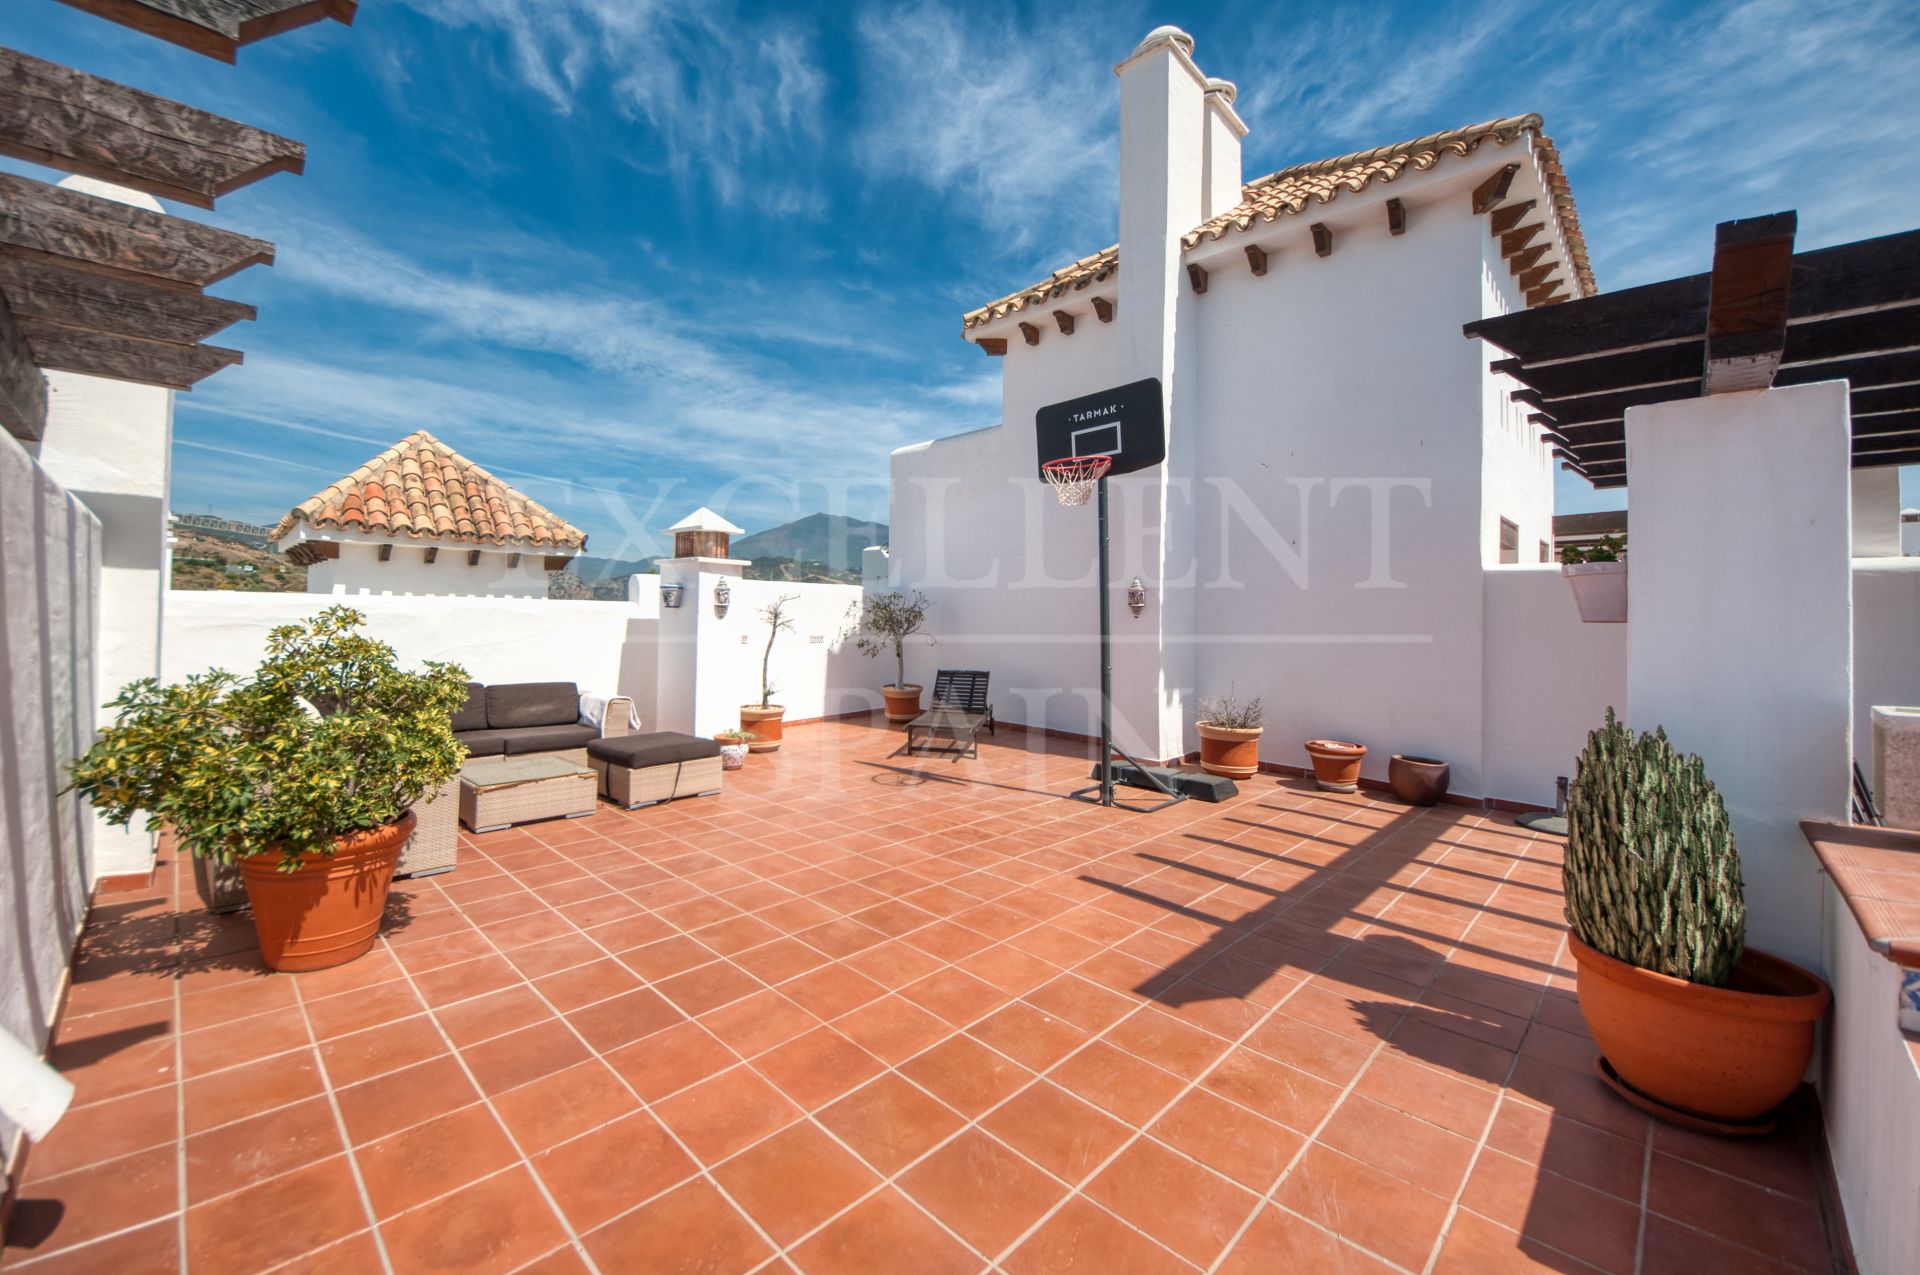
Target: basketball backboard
[[1127, 423]]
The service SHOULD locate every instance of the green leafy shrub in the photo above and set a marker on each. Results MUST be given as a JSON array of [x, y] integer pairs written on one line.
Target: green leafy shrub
[[328, 736], [1652, 876], [1605, 549], [884, 621]]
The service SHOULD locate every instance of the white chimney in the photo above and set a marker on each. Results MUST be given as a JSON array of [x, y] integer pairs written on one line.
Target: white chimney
[[1162, 126], [1220, 152]]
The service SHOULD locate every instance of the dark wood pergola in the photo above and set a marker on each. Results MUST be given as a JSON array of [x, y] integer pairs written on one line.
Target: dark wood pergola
[[1764, 315], [96, 286]]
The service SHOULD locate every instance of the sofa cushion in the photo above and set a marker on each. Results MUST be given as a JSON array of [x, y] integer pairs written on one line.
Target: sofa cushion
[[483, 743], [517, 704], [547, 739], [472, 715], [661, 748]]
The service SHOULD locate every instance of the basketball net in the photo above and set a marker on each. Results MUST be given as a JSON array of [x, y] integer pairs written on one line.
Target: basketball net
[[1074, 477]]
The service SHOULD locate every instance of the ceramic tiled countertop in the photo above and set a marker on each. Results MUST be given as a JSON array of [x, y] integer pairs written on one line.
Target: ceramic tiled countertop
[[1877, 871]]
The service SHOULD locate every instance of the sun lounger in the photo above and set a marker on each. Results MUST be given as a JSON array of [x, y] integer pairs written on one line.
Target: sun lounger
[[959, 710]]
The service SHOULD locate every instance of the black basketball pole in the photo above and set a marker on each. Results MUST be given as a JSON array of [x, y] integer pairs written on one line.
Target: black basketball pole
[[1142, 776]]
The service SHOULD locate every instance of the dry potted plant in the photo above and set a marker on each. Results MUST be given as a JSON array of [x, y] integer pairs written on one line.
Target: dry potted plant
[[1229, 730], [1597, 574], [764, 720], [733, 748], [1694, 1026], [881, 623], [312, 806]]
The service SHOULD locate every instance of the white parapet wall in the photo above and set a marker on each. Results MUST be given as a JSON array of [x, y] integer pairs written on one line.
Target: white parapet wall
[[1886, 643], [815, 669], [49, 633]]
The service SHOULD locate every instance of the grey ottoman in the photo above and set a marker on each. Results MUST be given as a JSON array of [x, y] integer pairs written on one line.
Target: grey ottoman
[[644, 770]]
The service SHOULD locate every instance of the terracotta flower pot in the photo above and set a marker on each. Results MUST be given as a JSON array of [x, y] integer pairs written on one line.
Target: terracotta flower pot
[[1418, 781], [1729, 1054], [1229, 751], [1336, 763], [903, 702], [328, 912], [765, 724]]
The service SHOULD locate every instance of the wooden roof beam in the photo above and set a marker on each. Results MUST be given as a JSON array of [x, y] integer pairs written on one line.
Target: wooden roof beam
[[1030, 334], [994, 345], [1873, 460], [124, 358], [66, 119], [1256, 258], [1322, 238], [1492, 192], [39, 289], [23, 390], [1064, 321], [1514, 240], [85, 232], [1505, 219], [1103, 309], [1396, 217], [1197, 275], [217, 28], [1747, 304], [1521, 262]]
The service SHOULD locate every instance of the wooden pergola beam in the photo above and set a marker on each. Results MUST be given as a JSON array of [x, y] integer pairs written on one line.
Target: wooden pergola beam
[[85, 232], [217, 28], [66, 119], [124, 358], [39, 289], [1747, 302], [23, 390]]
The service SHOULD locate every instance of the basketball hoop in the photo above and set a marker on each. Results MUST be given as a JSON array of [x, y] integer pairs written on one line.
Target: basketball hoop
[[1074, 477]]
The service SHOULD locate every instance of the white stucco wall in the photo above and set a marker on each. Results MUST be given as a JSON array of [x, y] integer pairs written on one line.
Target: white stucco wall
[[1549, 680], [1876, 512], [815, 670], [1746, 657], [604, 647], [110, 443], [49, 630], [359, 572], [1869, 1099], [1886, 643]]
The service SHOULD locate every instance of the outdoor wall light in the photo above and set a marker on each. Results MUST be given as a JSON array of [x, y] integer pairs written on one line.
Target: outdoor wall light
[[1136, 597], [722, 594], [670, 595]]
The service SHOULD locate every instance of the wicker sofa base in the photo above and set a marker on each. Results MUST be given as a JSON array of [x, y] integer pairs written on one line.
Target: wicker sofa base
[[651, 785], [491, 809], [435, 844]]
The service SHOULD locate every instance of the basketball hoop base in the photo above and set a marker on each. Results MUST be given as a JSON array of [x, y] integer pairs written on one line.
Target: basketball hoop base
[[1134, 775]]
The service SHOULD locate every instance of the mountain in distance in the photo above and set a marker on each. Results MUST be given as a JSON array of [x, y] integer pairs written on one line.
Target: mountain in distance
[[834, 539]]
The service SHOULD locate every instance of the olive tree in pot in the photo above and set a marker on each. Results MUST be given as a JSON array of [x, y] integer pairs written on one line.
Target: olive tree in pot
[[764, 721], [1694, 1026], [1229, 729], [303, 775], [882, 623]]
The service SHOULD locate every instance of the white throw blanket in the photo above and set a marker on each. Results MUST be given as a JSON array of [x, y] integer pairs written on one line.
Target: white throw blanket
[[593, 711]]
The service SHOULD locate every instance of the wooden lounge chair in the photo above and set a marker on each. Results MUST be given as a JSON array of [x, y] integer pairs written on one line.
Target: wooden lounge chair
[[959, 710]]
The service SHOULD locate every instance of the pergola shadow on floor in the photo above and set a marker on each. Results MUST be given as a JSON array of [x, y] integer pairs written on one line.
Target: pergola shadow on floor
[[862, 1013]]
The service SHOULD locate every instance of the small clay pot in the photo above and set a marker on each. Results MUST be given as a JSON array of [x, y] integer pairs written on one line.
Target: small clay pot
[[1336, 763], [903, 702], [1418, 781], [1228, 750]]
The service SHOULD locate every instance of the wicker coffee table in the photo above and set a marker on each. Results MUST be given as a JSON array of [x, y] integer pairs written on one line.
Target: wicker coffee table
[[498, 792]]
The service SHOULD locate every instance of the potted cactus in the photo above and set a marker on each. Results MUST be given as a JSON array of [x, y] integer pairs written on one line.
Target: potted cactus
[[1693, 1025]]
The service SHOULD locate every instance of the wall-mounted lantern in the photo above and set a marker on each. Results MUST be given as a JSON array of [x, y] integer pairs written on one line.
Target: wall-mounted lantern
[[671, 594], [1136, 597], [722, 595]]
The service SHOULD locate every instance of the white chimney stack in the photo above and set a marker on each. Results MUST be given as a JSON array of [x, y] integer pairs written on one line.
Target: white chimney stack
[[1162, 141], [1220, 152]]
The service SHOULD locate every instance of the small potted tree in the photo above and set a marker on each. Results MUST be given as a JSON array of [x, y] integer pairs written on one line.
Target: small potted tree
[[1230, 730], [1597, 574], [1693, 1025], [764, 721], [302, 775], [882, 623]]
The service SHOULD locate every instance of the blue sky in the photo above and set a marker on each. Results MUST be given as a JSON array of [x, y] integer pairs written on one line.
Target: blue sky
[[639, 256]]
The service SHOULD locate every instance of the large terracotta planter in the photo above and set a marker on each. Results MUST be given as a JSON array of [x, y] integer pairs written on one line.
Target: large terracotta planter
[[1727, 1054], [328, 912], [1229, 751], [903, 702], [1599, 590], [1336, 763], [765, 724], [1418, 781]]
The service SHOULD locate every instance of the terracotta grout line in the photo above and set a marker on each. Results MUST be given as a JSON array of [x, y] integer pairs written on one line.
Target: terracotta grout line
[[346, 1139], [179, 1104], [1646, 1191]]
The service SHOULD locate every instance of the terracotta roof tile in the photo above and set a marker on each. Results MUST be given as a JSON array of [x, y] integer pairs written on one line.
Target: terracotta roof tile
[[420, 487], [1294, 190]]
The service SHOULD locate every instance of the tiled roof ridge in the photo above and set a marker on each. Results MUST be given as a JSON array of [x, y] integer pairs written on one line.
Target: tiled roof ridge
[[1294, 189], [423, 489]]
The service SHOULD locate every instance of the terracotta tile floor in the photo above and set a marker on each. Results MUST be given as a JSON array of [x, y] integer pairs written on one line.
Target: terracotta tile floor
[[861, 1014]]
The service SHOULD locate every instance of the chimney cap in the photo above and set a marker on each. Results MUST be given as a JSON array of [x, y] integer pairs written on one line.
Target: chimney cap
[[1166, 35], [1225, 88], [704, 519]]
